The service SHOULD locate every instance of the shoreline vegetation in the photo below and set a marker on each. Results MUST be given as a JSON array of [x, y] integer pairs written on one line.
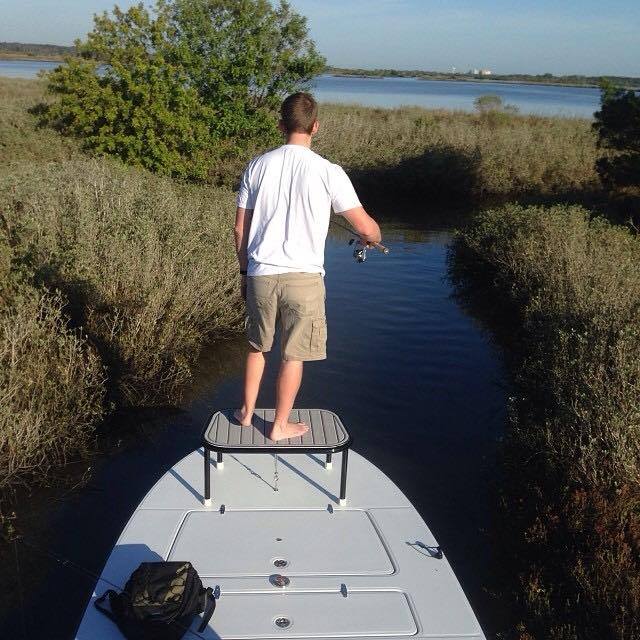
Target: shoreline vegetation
[[560, 288], [58, 53], [511, 78], [30, 51]]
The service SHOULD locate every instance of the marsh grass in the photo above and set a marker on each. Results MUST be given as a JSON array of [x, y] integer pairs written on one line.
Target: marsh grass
[[572, 456], [456, 155], [21, 138], [418, 152], [147, 265], [51, 389]]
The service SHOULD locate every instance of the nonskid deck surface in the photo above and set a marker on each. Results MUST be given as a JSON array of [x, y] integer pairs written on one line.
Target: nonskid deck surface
[[364, 570], [325, 430]]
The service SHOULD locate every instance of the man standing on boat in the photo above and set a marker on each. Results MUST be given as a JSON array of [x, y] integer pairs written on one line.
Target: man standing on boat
[[282, 220]]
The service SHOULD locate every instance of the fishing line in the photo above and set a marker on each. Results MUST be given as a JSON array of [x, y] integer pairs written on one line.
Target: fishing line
[[23, 617], [66, 562], [343, 226], [366, 243]]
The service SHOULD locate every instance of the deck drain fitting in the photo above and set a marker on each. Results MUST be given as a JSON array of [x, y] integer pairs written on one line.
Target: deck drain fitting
[[280, 581], [280, 563], [282, 623]]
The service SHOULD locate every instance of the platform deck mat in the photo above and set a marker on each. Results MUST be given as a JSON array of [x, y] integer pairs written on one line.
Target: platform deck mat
[[326, 431]]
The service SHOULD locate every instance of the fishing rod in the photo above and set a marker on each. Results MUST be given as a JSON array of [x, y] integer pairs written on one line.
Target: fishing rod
[[360, 250]]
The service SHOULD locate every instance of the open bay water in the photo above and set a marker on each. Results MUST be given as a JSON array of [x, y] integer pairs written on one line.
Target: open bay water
[[535, 99], [432, 94], [413, 376]]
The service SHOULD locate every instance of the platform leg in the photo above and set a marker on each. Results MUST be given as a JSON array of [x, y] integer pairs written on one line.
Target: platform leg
[[328, 464], [219, 461], [207, 477], [343, 477]]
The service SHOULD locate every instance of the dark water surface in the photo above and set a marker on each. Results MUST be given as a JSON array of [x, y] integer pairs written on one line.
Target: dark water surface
[[404, 360], [433, 94]]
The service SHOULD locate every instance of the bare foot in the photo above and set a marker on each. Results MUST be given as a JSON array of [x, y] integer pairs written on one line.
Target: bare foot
[[243, 417], [288, 430]]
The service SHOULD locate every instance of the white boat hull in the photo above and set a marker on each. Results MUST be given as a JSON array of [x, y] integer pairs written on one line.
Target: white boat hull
[[362, 570]]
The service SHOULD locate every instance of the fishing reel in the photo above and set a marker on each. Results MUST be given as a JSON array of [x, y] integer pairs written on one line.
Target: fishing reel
[[359, 251]]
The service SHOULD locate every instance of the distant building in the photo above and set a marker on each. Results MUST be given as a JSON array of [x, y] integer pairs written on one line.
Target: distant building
[[485, 72], [475, 72]]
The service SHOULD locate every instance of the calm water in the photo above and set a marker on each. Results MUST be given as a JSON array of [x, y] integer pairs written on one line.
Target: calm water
[[394, 92], [442, 94], [404, 361]]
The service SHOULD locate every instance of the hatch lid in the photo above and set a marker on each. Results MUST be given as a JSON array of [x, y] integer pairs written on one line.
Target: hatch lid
[[292, 542], [312, 615]]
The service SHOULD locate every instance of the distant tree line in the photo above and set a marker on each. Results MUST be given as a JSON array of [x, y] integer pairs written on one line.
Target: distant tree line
[[34, 50], [627, 82], [545, 78]]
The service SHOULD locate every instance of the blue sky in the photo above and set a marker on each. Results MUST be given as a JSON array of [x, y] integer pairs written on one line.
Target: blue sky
[[530, 36]]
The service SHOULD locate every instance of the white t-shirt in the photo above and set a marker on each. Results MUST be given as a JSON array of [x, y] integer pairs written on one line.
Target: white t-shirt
[[291, 191]]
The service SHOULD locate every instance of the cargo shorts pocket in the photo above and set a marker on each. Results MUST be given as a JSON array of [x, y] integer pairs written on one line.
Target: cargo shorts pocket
[[318, 335], [250, 329]]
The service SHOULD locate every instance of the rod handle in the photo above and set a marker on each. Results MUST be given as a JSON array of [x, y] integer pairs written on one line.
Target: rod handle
[[380, 247]]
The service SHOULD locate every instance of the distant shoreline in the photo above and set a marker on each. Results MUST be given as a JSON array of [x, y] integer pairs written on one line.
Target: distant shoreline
[[569, 85], [23, 57]]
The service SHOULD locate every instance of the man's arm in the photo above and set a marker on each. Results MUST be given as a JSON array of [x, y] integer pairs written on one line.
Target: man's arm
[[363, 224], [241, 235]]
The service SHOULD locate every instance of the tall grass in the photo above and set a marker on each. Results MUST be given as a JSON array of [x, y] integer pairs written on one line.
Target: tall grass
[[51, 388], [572, 496], [146, 264], [410, 150], [448, 154], [21, 139]]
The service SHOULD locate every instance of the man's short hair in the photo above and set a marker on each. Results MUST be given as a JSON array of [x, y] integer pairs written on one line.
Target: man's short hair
[[298, 113]]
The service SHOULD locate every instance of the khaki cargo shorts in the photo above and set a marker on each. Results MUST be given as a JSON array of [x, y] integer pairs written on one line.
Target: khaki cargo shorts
[[296, 301]]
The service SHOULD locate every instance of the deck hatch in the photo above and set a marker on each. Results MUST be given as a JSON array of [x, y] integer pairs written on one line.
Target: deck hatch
[[314, 543], [312, 615]]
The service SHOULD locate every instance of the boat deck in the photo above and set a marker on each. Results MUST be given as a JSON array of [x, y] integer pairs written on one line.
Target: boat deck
[[364, 570]]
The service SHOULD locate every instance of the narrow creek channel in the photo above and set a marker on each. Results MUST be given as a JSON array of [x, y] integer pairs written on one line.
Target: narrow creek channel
[[416, 380]]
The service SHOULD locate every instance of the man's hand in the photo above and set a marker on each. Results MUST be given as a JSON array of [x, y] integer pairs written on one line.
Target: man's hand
[[243, 287]]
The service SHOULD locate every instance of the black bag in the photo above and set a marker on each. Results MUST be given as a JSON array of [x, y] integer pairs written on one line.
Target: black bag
[[159, 602]]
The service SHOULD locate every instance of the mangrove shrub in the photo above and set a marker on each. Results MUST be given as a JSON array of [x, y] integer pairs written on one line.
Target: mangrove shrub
[[618, 127], [186, 86], [571, 453]]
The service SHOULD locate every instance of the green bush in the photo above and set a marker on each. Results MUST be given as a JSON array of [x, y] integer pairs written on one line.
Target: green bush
[[489, 103], [572, 453], [181, 90], [618, 127]]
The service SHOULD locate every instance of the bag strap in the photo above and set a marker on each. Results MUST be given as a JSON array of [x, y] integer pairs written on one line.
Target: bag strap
[[209, 608], [98, 604]]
